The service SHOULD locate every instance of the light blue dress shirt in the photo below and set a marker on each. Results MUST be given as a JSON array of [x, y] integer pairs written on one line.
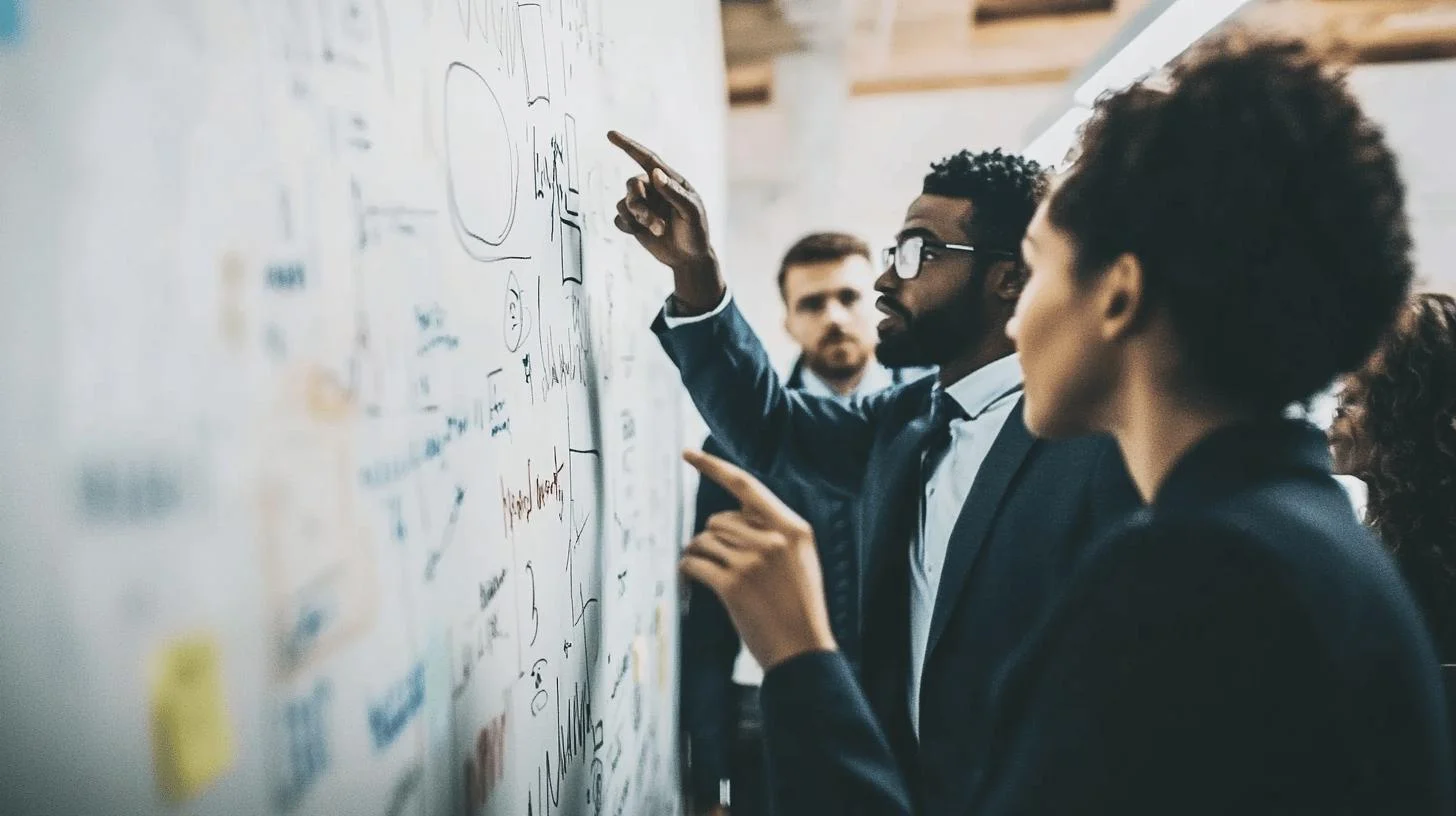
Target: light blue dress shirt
[[987, 395], [876, 378]]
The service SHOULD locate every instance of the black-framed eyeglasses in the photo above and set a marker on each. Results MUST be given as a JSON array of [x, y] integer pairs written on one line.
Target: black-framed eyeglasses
[[907, 255]]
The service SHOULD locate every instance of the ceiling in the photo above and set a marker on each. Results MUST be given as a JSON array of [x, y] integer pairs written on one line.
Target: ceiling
[[905, 45]]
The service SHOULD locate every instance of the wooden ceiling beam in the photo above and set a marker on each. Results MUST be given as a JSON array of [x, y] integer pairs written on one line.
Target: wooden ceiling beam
[[946, 49], [923, 53], [927, 55], [991, 10], [756, 32], [1364, 30]]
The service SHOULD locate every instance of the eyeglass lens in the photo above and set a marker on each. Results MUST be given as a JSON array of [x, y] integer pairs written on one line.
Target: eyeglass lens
[[907, 261], [906, 257]]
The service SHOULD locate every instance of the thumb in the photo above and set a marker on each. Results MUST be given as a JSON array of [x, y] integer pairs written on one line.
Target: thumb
[[676, 195]]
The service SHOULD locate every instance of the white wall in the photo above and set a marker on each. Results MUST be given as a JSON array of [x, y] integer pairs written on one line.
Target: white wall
[[891, 141], [1416, 103]]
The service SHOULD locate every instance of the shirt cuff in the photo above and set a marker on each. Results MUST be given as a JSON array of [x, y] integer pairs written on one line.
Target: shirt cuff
[[673, 322]]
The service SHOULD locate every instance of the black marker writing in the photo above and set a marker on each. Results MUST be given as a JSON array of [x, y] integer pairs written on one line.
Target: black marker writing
[[489, 589], [535, 613], [518, 504]]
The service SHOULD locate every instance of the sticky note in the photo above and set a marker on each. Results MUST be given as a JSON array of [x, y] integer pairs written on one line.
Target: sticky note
[[639, 651], [192, 739], [662, 661], [12, 22]]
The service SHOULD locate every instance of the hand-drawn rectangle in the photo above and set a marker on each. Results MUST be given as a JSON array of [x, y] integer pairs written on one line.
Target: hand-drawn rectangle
[[573, 173], [533, 43], [571, 257]]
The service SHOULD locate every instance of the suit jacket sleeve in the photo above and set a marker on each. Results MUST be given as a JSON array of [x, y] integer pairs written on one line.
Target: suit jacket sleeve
[[709, 647], [1164, 636], [826, 752], [764, 426]]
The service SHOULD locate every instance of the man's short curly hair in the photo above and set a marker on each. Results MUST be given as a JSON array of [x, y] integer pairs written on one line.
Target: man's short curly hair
[[1265, 208], [1004, 189], [1404, 402]]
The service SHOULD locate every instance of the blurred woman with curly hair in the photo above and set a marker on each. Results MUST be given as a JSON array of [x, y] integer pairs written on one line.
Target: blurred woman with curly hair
[[1395, 429]]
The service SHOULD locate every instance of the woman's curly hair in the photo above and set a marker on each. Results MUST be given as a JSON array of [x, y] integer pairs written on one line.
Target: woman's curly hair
[[1266, 209], [1404, 403]]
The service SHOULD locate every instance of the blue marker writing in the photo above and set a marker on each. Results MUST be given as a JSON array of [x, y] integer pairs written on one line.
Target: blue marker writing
[[389, 716], [12, 22], [284, 276]]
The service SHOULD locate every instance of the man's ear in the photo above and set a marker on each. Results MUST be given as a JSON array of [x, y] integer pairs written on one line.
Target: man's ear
[[1006, 279]]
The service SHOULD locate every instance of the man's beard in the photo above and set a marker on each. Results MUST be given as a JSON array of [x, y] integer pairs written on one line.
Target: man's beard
[[931, 337], [821, 360], [832, 371]]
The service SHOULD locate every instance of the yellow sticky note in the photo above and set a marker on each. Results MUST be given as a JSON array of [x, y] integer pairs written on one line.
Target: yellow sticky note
[[661, 649], [639, 652], [192, 739]]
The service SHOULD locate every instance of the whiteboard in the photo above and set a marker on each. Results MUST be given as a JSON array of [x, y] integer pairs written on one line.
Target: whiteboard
[[338, 465]]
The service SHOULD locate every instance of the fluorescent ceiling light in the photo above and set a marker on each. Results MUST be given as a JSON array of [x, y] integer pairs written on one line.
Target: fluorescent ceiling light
[[1177, 28], [1052, 145]]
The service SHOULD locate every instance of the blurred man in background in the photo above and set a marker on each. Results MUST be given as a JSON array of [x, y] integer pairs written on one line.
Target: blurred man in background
[[826, 281]]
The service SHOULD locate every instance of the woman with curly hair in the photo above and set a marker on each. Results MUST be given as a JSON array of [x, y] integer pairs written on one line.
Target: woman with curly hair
[[1395, 430]]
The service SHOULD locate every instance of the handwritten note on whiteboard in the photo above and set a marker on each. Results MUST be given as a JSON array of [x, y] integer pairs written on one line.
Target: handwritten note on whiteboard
[[352, 372]]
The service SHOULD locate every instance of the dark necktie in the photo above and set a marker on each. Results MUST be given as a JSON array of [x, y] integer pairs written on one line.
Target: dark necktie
[[943, 411]]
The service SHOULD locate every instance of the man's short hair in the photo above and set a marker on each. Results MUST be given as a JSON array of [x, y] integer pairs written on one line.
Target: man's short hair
[[1003, 188], [820, 247], [1265, 208]]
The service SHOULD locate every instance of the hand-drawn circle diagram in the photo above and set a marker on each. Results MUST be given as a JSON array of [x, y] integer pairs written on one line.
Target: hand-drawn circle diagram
[[480, 164]]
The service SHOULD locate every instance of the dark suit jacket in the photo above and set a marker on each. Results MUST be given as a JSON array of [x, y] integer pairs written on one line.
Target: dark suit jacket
[[1448, 672], [1242, 646], [710, 645], [1031, 506]]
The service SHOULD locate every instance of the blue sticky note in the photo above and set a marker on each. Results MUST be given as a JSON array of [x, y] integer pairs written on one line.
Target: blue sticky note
[[12, 26]]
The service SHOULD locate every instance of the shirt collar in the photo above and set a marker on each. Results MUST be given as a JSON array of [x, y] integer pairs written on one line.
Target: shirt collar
[[978, 391], [876, 377]]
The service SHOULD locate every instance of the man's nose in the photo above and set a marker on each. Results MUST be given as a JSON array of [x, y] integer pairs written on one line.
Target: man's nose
[[888, 281]]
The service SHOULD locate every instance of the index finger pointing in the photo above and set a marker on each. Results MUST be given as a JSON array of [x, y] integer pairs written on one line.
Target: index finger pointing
[[748, 490], [650, 161]]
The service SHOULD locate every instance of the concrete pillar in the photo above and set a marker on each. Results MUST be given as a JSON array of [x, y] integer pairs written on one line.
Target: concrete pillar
[[811, 88]]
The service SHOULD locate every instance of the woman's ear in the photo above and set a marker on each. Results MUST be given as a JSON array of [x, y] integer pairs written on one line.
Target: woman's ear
[[1121, 296]]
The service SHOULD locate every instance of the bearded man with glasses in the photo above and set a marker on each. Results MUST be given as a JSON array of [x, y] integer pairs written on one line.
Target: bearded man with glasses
[[968, 526]]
